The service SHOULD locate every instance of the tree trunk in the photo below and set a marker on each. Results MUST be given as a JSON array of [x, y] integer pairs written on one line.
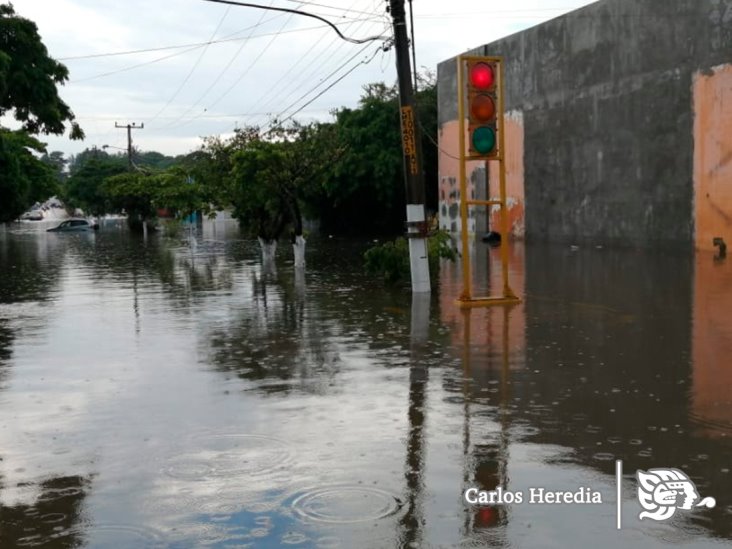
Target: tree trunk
[[298, 249], [298, 240], [268, 247]]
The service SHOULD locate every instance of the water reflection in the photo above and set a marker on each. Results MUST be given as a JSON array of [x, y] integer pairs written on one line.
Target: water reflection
[[216, 404], [53, 519], [607, 374]]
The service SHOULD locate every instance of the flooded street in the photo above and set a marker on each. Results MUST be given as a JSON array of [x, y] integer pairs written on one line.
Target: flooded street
[[161, 394]]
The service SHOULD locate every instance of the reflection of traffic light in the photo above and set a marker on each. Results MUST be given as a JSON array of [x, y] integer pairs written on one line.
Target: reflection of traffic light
[[487, 477], [482, 108]]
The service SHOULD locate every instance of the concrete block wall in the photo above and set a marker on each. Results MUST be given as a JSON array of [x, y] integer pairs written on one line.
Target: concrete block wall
[[618, 129]]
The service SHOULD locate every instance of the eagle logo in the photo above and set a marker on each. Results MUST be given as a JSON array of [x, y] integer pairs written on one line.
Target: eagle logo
[[662, 491]]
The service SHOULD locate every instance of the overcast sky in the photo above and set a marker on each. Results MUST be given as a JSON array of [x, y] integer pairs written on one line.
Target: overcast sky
[[260, 64]]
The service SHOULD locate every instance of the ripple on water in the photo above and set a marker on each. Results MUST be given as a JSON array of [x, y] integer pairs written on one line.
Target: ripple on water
[[122, 536], [189, 468], [345, 504], [226, 455], [103, 536]]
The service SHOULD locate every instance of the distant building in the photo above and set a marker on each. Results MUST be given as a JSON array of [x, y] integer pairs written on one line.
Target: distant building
[[618, 126]]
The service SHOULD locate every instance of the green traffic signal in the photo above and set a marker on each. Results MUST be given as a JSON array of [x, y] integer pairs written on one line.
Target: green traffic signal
[[483, 139]]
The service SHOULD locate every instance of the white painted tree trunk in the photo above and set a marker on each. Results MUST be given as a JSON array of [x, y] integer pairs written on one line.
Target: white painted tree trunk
[[298, 249], [268, 247]]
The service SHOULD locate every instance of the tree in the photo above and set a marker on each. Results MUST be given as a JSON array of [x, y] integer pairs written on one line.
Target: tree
[[364, 189], [141, 193], [269, 177], [28, 80], [57, 163], [24, 179], [85, 187]]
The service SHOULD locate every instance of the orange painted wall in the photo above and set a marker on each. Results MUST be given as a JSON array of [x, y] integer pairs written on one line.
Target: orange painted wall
[[712, 346], [713, 156], [514, 147], [449, 170]]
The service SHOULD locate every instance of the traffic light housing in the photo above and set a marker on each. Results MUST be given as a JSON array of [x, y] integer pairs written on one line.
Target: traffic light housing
[[483, 105]]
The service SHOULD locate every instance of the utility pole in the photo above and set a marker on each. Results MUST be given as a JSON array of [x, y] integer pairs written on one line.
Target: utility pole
[[129, 127], [412, 150]]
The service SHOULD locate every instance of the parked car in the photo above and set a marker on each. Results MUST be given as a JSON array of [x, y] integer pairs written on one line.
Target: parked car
[[74, 226]]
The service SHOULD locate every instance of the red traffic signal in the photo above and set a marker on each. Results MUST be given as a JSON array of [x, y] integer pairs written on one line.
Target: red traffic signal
[[482, 108], [482, 76]]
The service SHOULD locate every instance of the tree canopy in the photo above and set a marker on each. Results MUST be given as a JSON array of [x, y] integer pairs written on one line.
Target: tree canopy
[[28, 93], [29, 78]]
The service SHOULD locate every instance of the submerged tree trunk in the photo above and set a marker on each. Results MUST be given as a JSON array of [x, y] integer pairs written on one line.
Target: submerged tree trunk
[[268, 247], [298, 240], [298, 249]]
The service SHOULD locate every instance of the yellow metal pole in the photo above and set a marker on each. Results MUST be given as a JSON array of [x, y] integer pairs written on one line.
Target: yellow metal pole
[[507, 292], [467, 291]]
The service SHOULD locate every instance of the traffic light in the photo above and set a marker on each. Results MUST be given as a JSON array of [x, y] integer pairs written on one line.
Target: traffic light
[[482, 108]]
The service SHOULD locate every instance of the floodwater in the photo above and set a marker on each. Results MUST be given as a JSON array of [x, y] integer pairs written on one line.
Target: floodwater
[[159, 393]]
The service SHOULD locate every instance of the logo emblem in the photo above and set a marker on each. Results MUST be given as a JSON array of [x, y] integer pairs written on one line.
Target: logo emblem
[[662, 491]]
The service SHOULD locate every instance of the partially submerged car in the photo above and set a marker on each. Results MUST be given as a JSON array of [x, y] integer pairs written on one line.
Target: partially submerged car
[[74, 226]]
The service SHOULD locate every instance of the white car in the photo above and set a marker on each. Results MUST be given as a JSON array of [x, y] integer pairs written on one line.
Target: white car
[[74, 226]]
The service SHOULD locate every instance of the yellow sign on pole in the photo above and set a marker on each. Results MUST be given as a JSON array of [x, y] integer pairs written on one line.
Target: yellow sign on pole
[[480, 84]]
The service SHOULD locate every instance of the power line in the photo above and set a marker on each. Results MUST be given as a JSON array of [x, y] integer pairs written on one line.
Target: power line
[[289, 74], [239, 79], [362, 62], [335, 8], [190, 49], [194, 67], [201, 44], [131, 67], [223, 71], [306, 14], [324, 79]]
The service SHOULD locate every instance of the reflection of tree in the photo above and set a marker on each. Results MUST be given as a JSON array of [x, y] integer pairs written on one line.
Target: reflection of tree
[[6, 341], [279, 341], [54, 519], [30, 270], [30, 267], [185, 274]]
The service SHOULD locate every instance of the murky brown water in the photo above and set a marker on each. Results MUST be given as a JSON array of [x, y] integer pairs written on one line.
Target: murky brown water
[[156, 395]]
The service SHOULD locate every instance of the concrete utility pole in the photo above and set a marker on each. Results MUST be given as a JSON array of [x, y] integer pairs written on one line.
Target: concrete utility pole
[[412, 150], [129, 127]]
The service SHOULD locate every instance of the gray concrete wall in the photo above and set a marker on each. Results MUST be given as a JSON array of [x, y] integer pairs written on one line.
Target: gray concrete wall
[[606, 97]]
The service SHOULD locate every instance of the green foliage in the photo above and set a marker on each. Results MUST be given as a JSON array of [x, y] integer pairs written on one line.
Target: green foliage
[[177, 190], [57, 163], [364, 191], [172, 228], [131, 192], [153, 159], [390, 260], [140, 194], [24, 179], [85, 187], [28, 78], [268, 177]]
